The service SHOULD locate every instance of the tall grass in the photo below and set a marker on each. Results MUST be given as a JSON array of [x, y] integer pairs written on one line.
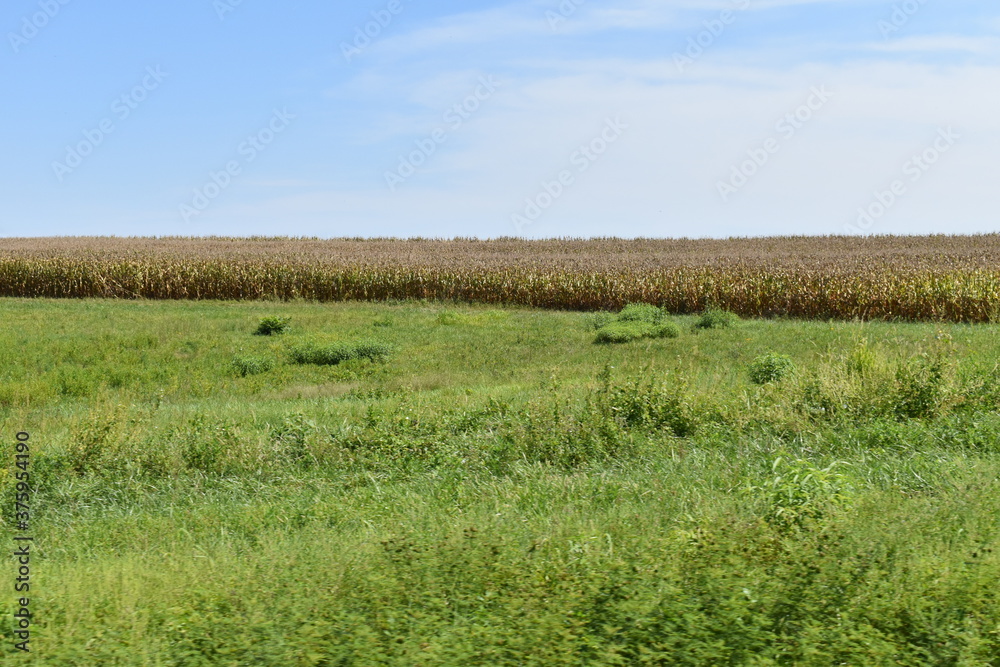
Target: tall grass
[[503, 491]]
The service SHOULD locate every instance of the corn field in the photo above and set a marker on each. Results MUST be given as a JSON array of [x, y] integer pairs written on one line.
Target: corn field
[[948, 278]]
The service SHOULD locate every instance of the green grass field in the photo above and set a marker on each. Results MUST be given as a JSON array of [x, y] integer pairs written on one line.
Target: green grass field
[[499, 489]]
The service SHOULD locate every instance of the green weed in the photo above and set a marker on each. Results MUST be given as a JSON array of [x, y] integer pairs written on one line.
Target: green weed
[[717, 319], [771, 367], [270, 326]]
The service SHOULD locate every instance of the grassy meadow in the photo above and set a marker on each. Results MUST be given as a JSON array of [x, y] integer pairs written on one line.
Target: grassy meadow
[[418, 483]]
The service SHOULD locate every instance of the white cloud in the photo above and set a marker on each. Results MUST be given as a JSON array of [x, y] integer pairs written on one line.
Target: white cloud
[[686, 131], [684, 135], [939, 43]]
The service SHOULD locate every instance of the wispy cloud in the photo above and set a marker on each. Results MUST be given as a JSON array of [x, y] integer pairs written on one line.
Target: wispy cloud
[[932, 44], [686, 128]]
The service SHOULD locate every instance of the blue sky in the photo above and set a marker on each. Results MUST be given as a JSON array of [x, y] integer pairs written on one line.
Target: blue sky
[[538, 118]]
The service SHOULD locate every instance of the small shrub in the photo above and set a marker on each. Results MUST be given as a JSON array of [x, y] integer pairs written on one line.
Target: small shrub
[[626, 330], [335, 353], [623, 332], [372, 350], [206, 447], [666, 330], [641, 312], [921, 388], [649, 405], [714, 318], [597, 321], [247, 365], [629, 330], [94, 441], [270, 326], [771, 367]]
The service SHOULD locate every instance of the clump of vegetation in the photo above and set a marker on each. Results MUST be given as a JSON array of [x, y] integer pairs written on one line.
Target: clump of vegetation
[[597, 321], [635, 321], [245, 365], [666, 330], [799, 492], [449, 318], [332, 354], [269, 326], [623, 332], [716, 318], [771, 367], [921, 388], [641, 312]]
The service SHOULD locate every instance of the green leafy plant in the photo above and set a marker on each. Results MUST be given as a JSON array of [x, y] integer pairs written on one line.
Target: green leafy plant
[[244, 365], [715, 318], [596, 321], [649, 404], [270, 326], [799, 491], [635, 321], [623, 332], [921, 390], [335, 353], [771, 367], [641, 312], [666, 330]]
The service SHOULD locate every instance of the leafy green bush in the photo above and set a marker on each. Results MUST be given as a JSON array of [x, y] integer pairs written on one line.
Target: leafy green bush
[[714, 318], [206, 446], [921, 388], [771, 367], [649, 405], [623, 332], [249, 365], [635, 321], [335, 353], [272, 325], [666, 330], [372, 350], [641, 312]]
